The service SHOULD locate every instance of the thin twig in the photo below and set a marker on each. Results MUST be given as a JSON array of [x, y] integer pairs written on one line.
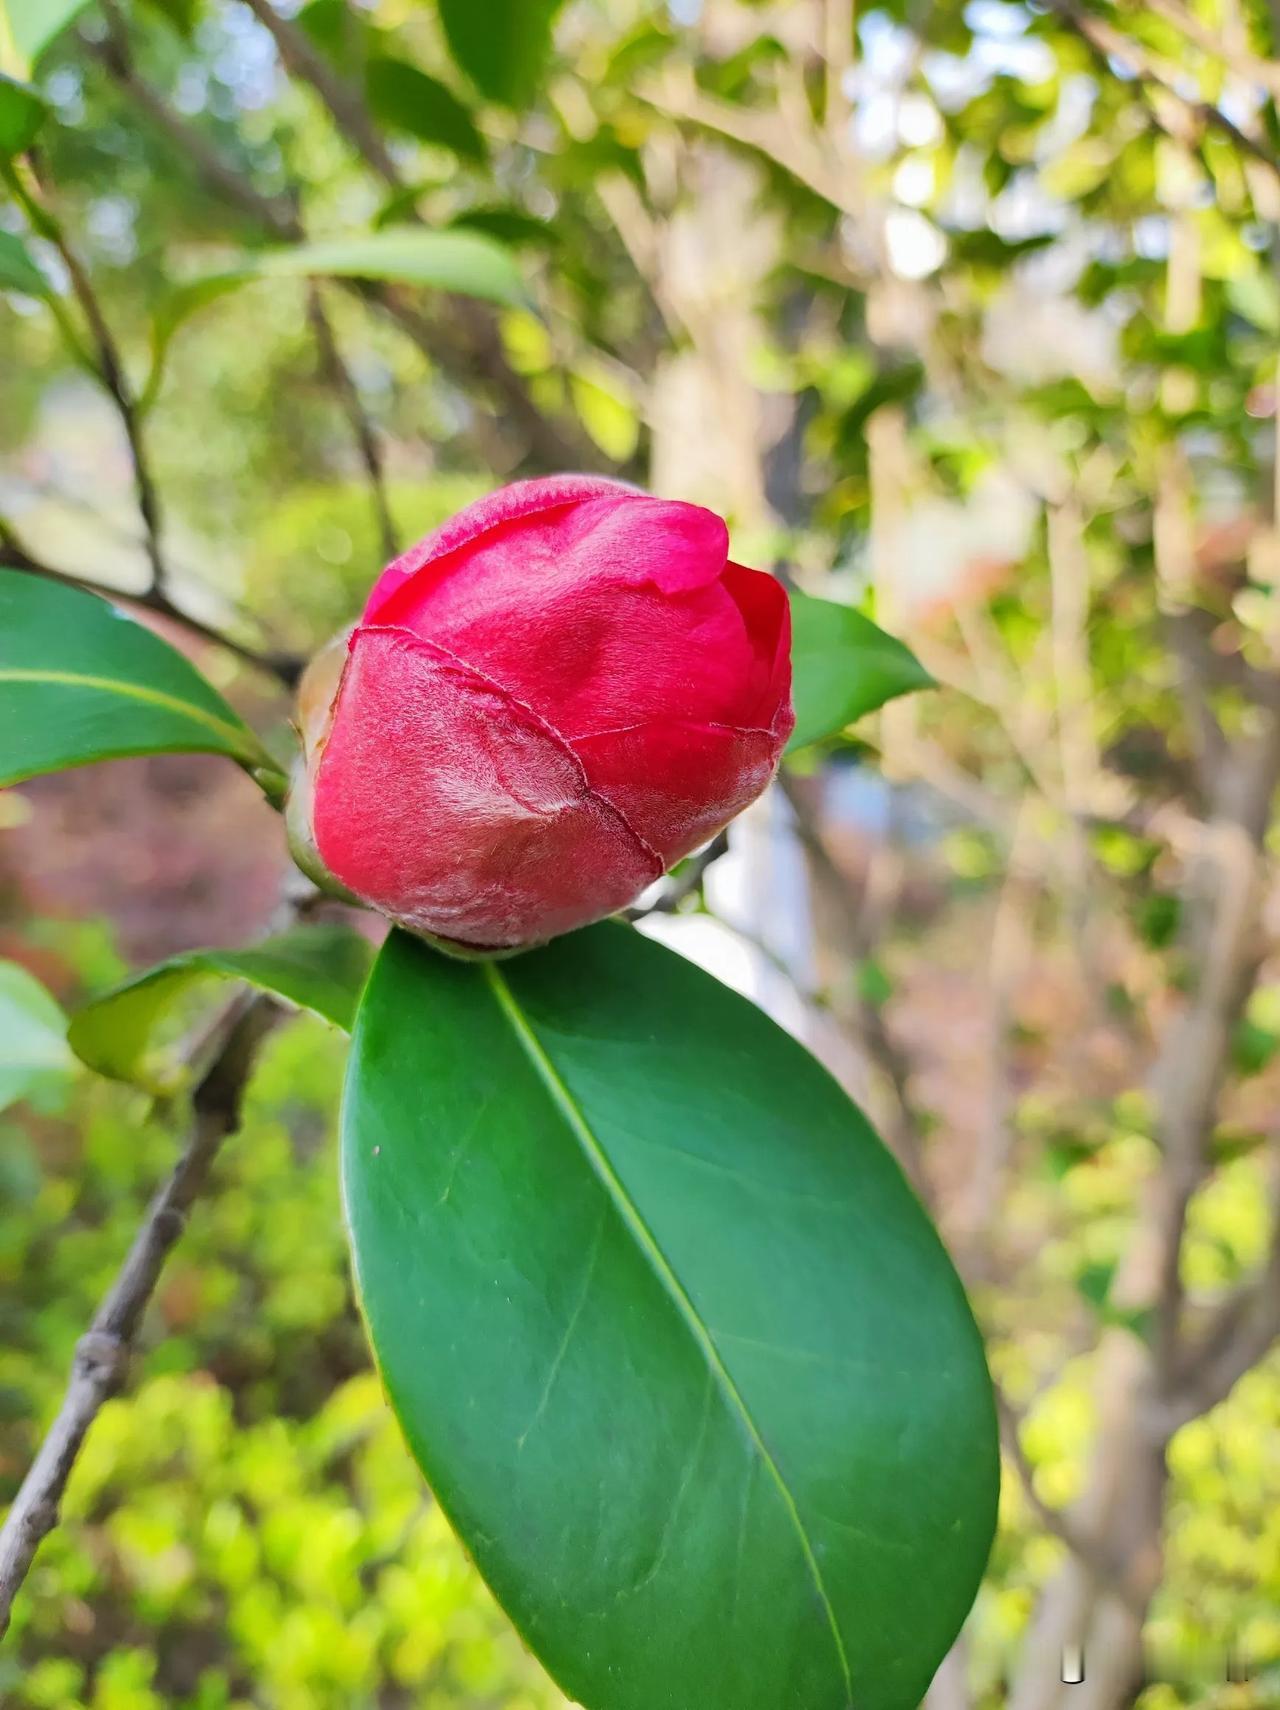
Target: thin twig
[[218, 175], [687, 883], [303, 60], [362, 428], [1248, 66], [285, 667], [1110, 43], [1061, 1526], [466, 323], [459, 338], [109, 365], [103, 1351]]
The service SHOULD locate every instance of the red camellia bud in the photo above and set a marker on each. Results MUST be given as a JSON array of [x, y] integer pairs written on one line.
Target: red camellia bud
[[547, 703]]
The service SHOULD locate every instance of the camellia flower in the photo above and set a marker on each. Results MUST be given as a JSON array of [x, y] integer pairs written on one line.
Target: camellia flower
[[547, 703]]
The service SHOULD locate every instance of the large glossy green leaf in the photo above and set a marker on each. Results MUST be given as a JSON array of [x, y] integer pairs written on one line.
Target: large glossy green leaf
[[679, 1352], [122, 1034], [80, 681], [502, 45], [844, 666], [34, 1057]]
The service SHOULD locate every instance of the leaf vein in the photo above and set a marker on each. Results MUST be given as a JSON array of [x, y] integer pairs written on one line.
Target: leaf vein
[[576, 1119]]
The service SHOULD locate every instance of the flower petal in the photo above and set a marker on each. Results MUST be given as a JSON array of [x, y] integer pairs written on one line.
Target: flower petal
[[509, 504], [458, 811], [680, 782]]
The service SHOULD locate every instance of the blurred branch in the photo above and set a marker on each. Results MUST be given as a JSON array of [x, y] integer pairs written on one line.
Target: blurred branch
[[1110, 43], [1248, 66], [467, 325], [687, 883], [109, 366], [112, 53], [286, 667], [451, 348], [906, 1123], [1060, 1525], [103, 1351], [340, 377], [304, 61], [1225, 947], [1239, 1334]]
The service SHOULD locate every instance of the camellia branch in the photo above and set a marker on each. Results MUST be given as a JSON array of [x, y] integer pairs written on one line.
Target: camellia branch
[[362, 428], [285, 667], [467, 324], [103, 1351], [1054, 1520], [685, 884], [464, 344], [109, 366]]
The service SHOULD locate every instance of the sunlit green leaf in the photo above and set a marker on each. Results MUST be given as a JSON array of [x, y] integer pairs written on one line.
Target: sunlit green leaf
[[469, 263], [122, 1034], [34, 1057], [844, 666], [673, 1341]]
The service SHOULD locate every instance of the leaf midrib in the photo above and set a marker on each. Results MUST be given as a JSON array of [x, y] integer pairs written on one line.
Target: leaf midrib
[[241, 741], [598, 1160]]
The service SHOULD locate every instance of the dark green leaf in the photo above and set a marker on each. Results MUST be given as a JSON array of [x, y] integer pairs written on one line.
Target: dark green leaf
[[22, 112], [678, 1350], [844, 667], [320, 968], [33, 1037], [337, 29], [18, 272], [80, 681], [406, 99], [502, 45], [182, 14], [511, 226]]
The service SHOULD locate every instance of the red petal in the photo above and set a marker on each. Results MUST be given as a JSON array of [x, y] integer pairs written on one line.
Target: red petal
[[509, 504], [679, 784], [458, 811]]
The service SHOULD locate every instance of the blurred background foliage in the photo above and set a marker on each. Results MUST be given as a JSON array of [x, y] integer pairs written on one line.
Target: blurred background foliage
[[965, 315]]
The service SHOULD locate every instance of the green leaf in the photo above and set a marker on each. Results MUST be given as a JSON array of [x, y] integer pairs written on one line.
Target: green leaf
[[467, 262], [183, 15], [121, 1034], [27, 27], [675, 1345], [502, 45], [22, 112], [18, 272], [844, 666], [406, 99], [34, 1057], [80, 681]]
